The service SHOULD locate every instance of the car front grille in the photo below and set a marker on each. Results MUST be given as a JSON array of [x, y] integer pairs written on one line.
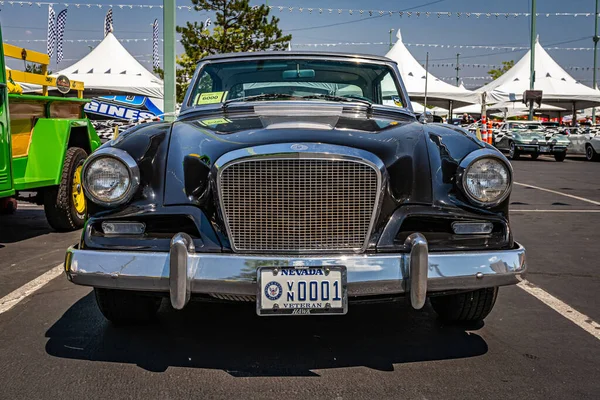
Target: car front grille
[[299, 204]]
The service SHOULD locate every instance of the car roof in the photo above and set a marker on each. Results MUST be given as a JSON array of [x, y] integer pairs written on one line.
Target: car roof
[[280, 54]]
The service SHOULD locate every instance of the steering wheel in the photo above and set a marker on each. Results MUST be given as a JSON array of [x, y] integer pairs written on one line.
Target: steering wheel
[[356, 96]]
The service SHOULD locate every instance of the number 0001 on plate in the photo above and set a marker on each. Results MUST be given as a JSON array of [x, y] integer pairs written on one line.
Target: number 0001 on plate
[[301, 291]]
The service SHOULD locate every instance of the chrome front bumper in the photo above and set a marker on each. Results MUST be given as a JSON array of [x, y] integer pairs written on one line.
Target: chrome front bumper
[[183, 271]]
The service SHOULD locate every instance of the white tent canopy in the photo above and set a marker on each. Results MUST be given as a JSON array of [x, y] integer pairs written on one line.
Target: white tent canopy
[[439, 93], [557, 86], [109, 67]]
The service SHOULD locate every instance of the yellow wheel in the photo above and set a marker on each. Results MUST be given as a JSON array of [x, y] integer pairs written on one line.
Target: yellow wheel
[[77, 192], [65, 203]]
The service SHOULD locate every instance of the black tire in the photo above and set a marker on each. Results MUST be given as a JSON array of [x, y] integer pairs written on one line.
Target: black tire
[[465, 307], [590, 153], [513, 153], [534, 156], [58, 202], [122, 307], [560, 157]]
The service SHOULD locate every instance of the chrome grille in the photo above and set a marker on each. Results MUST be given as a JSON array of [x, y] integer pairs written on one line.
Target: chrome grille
[[298, 204]]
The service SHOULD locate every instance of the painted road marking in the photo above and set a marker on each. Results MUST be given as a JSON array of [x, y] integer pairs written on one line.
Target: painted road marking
[[579, 319], [558, 211], [561, 193], [15, 297]]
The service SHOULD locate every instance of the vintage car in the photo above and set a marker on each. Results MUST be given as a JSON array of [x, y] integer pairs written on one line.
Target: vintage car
[[286, 181], [585, 141], [530, 137]]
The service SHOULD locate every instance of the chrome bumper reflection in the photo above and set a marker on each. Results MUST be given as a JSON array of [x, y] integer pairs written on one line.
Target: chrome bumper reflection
[[182, 271]]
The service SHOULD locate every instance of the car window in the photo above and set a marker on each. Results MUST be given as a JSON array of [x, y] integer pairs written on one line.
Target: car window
[[225, 80]]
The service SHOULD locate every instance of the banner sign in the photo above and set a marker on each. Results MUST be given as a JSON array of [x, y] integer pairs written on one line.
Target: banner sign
[[123, 107]]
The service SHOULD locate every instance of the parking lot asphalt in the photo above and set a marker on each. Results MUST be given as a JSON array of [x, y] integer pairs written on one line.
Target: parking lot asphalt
[[55, 343]]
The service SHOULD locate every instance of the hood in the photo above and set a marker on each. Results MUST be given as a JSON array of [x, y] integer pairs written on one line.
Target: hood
[[540, 136]]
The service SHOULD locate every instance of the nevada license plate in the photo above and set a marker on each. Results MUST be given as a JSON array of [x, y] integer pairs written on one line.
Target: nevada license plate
[[544, 149], [302, 291]]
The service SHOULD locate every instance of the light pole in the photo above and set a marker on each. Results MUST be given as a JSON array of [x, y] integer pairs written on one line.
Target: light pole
[[391, 31], [169, 21], [532, 58], [596, 39], [457, 69]]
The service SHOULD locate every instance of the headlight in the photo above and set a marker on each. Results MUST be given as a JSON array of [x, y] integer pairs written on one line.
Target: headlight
[[485, 177], [110, 177]]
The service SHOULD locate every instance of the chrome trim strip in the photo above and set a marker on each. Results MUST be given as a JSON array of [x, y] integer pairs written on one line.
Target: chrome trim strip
[[125, 158], [311, 151], [235, 274]]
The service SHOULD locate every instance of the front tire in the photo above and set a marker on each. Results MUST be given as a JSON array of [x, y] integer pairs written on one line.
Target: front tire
[[590, 153], [513, 153], [560, 157], [465, 307], [122, 307], [65, 208]]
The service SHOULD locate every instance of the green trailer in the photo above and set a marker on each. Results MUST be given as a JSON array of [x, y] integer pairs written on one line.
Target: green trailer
[[44, 141]]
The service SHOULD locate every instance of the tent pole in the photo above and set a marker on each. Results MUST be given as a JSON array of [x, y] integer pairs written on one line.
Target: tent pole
[[426, 78], [457, 69], [532, 59], [169, 22], [574, 119], [450, 109], [596, 39]]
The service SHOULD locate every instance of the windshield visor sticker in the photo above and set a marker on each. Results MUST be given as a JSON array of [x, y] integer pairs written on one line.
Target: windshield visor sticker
[[210, 98]]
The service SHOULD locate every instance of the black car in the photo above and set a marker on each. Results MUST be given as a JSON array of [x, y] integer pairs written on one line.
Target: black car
[[287, 182]]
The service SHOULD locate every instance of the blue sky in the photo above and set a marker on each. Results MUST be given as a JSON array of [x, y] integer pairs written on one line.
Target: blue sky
[[20, 23]]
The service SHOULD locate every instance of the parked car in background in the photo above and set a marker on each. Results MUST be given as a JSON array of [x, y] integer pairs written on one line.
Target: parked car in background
[[585, 141], [286, 181], [530, 137]]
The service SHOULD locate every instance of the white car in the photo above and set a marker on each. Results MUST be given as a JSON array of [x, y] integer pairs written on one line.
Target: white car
[[586, 142]]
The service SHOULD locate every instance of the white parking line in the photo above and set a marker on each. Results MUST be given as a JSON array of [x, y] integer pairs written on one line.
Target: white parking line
[[13, 298], [561, 193], [579, 319], [558, 211]]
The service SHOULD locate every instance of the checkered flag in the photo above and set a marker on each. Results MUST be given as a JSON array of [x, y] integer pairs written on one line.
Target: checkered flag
[[51, 39], [61, 21], [155, 59], [207, 23], [108, 23]]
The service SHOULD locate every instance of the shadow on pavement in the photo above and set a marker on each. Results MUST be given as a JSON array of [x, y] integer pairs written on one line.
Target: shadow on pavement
[[22, 225], [230, 337]]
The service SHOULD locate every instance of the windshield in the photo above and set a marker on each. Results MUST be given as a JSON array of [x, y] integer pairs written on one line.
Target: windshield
[[526, 127], [293, 79]]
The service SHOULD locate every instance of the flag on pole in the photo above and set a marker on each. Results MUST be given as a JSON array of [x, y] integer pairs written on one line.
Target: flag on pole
[[51, 39], [207, 23], [155, 59], [108, 22], [61, 21]]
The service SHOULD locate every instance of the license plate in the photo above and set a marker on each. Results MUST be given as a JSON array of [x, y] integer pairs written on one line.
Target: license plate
[[544, 149], [302, 291]]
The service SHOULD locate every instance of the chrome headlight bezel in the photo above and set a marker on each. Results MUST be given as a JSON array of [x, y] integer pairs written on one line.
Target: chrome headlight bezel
[[124, 158], [468, 161]]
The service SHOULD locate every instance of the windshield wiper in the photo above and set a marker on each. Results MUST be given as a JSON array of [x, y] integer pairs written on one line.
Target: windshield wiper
[[338, 98], [264, 96]]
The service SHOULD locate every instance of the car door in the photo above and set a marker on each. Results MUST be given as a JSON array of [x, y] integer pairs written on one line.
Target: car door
[[578, 139], [5, 144], [501, 140]]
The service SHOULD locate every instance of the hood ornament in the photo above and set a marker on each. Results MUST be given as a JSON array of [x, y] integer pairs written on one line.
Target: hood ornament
[[299, 147]]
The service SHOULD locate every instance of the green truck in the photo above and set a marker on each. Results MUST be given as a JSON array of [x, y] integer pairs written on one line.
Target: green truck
[[44, 141]]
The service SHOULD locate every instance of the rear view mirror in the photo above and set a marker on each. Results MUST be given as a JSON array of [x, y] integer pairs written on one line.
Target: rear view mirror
[[298, 73]]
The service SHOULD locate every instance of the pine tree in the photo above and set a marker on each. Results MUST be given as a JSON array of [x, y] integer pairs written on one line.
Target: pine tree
[[238, 28]]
